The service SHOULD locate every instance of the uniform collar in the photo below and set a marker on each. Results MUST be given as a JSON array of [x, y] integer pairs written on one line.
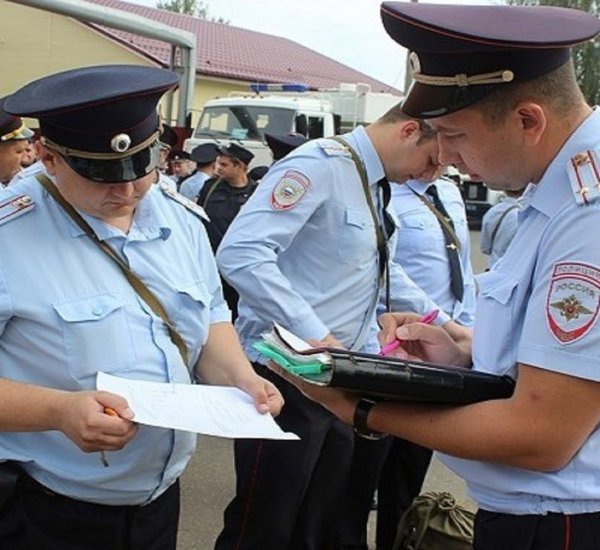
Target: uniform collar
[[360, 141], [553, 191], [149, 222], [418, 186]]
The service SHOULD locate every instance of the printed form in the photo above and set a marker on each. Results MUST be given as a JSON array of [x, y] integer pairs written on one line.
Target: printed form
[[212, 410]]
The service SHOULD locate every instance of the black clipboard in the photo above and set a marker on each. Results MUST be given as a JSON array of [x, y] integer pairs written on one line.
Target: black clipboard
[[401, 380], [391, 378]]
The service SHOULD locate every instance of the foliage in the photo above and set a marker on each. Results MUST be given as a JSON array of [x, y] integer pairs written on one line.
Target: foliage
[[586, 56], [195, 8]]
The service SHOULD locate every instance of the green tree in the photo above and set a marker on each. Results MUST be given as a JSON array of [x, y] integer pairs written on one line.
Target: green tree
[[586, 56], [195, 8]]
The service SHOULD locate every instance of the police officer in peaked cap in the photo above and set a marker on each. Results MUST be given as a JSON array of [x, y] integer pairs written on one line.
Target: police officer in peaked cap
[[205, 156], [233, 150], [498, 84], [281, 145], [90, 476], [14, 137]]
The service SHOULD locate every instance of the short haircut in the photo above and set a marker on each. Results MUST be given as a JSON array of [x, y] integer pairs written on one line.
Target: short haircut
[[557, 89], [395, 115]]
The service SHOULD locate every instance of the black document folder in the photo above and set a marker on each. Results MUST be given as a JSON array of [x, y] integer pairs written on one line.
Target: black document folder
[[382, 377]]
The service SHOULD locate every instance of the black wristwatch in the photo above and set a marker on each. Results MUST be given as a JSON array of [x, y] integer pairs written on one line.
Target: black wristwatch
[[361, 414]]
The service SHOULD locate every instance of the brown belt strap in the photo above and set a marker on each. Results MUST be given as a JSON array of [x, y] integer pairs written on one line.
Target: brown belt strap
[[138, 285]]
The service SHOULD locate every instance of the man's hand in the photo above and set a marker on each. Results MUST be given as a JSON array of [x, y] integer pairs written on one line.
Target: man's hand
[[265, 395], [328, 342], [82, 417], [340, 403], [448, 345]]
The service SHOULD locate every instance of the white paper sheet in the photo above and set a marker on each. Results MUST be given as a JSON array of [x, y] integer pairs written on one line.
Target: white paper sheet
[[212, 410]]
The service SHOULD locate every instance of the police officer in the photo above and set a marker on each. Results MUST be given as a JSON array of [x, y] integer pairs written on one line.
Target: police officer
[[308, 252], [205, 156], [14, 136], [499, 85], [222, 196], [434, 248], [181, 166], [90, 479], [167, 140], [499, 226], [283, 144]]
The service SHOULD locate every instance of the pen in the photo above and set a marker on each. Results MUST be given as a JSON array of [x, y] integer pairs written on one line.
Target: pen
[[110, 412], [428, 318]]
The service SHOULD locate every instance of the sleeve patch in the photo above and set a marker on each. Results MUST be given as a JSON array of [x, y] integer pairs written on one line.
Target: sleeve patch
[[573, 301], [289, 190]]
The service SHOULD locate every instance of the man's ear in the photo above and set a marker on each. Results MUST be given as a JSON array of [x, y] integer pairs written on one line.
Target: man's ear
[[409, 130], [533, 121], [48, 157]]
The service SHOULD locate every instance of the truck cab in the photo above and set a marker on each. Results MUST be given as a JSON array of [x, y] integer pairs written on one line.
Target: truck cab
[[244, 118]]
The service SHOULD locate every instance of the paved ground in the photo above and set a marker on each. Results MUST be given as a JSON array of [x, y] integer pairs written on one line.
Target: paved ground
[[208, 483]]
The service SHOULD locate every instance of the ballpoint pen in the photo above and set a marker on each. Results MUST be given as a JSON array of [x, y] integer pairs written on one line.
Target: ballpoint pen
[[428, 318], [110, 412]]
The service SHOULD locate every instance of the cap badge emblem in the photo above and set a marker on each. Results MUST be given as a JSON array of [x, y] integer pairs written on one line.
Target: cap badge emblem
[[414, 63], [120, 143]]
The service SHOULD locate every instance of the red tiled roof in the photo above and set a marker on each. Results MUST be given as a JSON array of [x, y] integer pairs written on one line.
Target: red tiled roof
[[231, 52]]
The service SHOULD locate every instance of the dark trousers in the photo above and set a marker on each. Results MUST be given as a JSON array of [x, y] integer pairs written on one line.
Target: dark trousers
[[495, 531], [288, 493], [397, 469], [38, 519]]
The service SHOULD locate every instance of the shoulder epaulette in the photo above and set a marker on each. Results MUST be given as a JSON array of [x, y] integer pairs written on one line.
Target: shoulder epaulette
[[184, 201], [333, 148], [14, 206], [584, 175]]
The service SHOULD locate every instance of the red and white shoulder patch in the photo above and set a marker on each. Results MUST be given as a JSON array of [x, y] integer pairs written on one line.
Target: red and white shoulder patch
[[289, 190], [573, 300]]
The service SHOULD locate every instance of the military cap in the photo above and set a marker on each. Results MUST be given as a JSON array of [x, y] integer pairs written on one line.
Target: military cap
[[459, 54], [238, 152], [178, 155], [168, 137], [102, 120], [205, 153], [12, 127], [281, 145]]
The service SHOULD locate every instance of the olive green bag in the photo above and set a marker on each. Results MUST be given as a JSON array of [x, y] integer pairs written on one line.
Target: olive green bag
[[435, 522]]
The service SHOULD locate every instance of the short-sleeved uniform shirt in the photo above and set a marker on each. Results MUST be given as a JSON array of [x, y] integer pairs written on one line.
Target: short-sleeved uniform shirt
[[67, 312], [421, 247], [539, 306], [303, 250]]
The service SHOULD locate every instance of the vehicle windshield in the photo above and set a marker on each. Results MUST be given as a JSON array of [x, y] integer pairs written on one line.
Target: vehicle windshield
[[244, 122]]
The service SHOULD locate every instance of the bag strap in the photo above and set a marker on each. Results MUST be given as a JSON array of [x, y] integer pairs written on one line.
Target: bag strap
[[441, 218], [495, 232], [365, 184], [138, 285], [210, 191]]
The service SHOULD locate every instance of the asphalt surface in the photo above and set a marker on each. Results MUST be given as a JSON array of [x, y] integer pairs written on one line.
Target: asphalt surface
[[209, 481]]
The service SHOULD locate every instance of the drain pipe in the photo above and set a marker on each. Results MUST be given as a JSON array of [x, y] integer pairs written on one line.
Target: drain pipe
[[88, 12]]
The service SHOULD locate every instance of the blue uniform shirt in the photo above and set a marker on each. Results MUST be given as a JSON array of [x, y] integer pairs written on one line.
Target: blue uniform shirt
[[539, 306], [67, 312], [192, 186], [421, 248], [303, 251], [501, 226]]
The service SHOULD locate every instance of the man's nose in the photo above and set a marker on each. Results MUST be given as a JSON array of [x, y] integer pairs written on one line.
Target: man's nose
[[126, 189]]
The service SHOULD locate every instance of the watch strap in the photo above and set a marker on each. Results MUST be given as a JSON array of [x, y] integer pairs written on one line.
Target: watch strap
[[361, 415]]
